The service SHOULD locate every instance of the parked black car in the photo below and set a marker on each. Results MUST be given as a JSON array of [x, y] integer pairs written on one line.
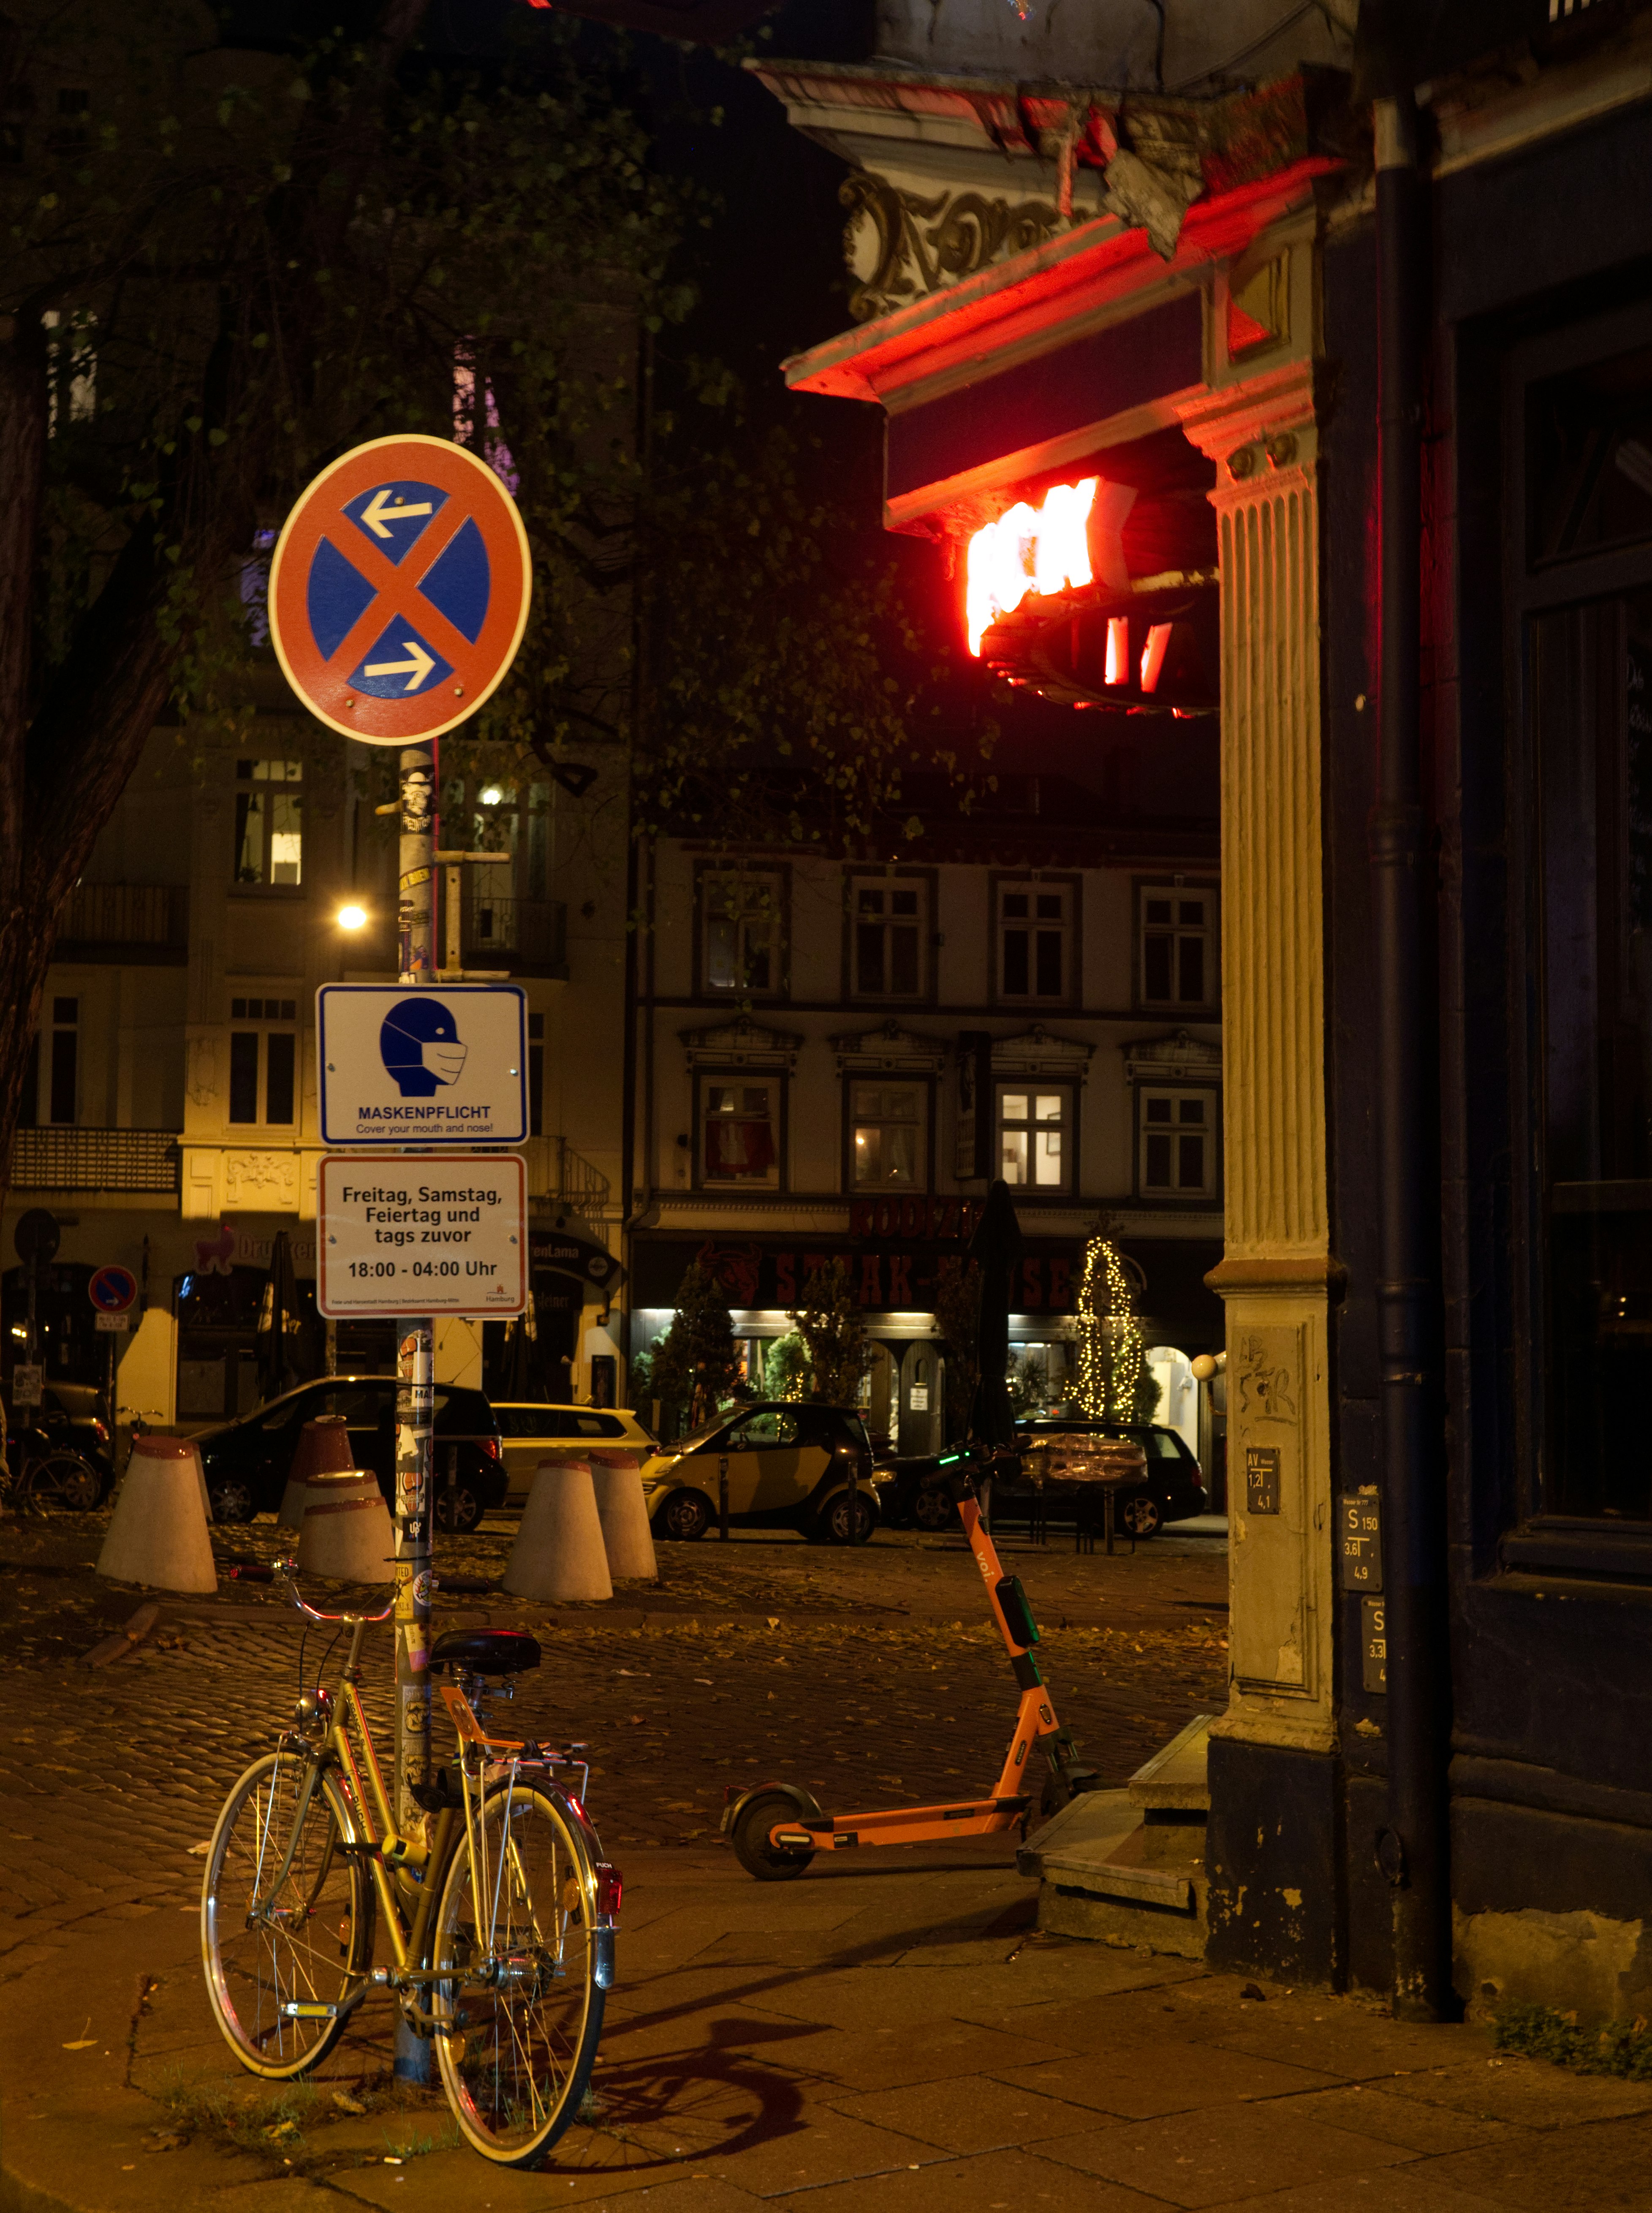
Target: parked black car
[[248, 1461], [1172, 1489]]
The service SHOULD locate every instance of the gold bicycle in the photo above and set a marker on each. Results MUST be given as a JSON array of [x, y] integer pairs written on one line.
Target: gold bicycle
[[500, 1923]]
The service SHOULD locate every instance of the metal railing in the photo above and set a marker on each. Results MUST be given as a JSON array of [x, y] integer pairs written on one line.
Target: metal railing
[[153, 914], [68, 1159], [579, 1184]]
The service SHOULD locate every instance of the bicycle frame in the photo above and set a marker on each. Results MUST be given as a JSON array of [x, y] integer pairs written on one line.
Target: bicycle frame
[[417, 1865]]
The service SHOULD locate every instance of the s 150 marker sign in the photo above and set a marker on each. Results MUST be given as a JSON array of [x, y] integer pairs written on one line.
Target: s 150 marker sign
[[410, 1233]]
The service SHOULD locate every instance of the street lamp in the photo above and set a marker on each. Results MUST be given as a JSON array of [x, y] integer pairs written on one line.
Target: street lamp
[[352, 917]]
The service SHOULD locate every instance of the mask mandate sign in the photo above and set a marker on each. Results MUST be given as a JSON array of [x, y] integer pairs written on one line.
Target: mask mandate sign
[[440, 1064], [447, 1235]]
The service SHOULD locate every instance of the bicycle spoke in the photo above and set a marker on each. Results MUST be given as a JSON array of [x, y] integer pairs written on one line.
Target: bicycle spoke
[[523, 2003], [280, 1912]]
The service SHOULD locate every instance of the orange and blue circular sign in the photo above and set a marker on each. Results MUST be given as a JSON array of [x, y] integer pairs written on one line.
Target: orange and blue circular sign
[[399, 590]]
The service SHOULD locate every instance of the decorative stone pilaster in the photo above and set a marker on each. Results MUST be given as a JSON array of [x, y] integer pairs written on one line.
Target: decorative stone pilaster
[[1275, 1272]]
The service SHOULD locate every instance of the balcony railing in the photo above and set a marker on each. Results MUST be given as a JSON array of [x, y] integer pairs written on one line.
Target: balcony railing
[[525, 936], [66, 1159], [125, 922]]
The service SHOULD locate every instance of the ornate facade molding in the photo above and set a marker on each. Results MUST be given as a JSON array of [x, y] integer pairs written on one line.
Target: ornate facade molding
[[891, 1050], [742, 1044], [1178, 1058], [900, 246], [1039, 1051]]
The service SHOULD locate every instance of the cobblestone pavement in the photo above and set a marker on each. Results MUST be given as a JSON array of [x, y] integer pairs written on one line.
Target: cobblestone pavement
[[870, 1676]]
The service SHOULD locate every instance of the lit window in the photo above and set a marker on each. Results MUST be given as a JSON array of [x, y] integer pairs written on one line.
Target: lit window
[[1035, 961], [1177, 948], [1035, 1125], [886, 1132], [739, 1124], [740, 928], [1178, 1142], [269, 822], [888, 939]]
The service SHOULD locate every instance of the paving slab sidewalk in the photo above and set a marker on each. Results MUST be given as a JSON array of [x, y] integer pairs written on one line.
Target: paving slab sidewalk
[[888, 2035]]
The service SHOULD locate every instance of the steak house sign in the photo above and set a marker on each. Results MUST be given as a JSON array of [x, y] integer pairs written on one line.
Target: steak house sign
[[889, 1272]]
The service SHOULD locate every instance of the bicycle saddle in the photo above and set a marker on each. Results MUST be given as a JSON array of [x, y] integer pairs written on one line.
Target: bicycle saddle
[[486, 1651]]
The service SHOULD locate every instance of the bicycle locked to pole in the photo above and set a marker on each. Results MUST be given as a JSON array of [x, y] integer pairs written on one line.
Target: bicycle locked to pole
[[500, 1924]]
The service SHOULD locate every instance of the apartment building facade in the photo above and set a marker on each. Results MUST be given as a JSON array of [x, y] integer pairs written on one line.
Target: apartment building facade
[[170, 1115], [837, 1056]]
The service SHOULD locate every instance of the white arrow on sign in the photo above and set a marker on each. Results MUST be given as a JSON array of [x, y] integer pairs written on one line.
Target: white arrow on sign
[[420, 666], [376, 514]]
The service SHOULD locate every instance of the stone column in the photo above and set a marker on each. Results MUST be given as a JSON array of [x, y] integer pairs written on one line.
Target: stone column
[[1273, 1839]]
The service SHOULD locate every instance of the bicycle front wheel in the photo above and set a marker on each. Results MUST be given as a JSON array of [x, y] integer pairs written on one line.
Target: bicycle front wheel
[[286, 1917], [519, 2007]]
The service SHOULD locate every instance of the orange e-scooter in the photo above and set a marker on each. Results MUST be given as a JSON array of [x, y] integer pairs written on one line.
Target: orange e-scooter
[[777, 1827]]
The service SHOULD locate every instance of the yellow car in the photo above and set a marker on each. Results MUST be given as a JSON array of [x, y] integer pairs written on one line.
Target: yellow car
[[529, 1434], [789, 1466]]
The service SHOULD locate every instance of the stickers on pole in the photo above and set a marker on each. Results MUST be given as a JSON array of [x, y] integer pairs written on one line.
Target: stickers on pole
[[417, 1064], [409, 1233], [398, 589]]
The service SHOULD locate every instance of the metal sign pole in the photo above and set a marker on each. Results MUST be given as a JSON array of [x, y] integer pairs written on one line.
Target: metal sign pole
[[416, 1389]]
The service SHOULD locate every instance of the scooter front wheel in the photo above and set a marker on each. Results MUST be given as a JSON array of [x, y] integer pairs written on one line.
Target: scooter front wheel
[[768, 1863]]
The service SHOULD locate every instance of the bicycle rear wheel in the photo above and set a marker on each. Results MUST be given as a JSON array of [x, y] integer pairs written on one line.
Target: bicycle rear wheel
[[286, 1917], [60, 1479], [522, 2007]]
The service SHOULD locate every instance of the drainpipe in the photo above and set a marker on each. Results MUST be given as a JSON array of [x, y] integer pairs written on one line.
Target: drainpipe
[[1413, 1850]]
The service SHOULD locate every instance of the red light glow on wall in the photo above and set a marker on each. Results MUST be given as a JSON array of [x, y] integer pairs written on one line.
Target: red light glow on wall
[[1029, 548]]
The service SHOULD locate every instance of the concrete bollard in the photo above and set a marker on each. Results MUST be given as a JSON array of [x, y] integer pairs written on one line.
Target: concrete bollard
[[617, 1479], [324, 1449], [559, 1552], [346, 1533], [158, 1533]]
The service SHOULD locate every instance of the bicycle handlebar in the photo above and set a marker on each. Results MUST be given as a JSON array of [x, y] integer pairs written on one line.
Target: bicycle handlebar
[[287, 1570]]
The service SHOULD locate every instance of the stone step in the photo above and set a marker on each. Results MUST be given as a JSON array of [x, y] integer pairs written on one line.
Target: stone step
[[1175, 1780]]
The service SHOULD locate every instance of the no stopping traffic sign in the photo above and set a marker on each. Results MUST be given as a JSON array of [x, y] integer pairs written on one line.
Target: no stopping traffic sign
[[398, 589]]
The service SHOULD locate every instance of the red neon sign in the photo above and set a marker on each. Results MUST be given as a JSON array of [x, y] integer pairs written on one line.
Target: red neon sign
[[1043, 550]]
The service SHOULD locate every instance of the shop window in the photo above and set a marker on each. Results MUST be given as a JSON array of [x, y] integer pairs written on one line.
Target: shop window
[[1177, 941], [263, 1067], [740, 1133], [888, 1125], [1035, 1137], [887, 922], [740, 917], [1034, 941], [269, 822], [1177, 1143]]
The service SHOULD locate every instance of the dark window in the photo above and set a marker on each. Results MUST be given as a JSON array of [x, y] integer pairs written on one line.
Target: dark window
[[888, 952], [1589, 445], [243, 1076], [280, 1049], [65, 1055], [1591, 671], [1032, 944], [28, 1113], [775, 1425], [1177, 969]]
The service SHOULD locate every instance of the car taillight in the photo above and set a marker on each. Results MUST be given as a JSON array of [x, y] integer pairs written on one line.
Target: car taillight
[[102, 1433], [491, 1446], [610, 1889]]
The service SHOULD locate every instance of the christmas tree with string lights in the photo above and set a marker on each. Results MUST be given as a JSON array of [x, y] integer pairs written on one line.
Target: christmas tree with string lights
[[1114, 1382]]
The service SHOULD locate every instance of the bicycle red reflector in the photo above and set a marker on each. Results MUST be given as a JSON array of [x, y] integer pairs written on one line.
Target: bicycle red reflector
[[610, 1889]]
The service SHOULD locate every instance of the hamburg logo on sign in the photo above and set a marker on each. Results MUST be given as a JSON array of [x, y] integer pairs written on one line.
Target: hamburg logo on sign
[[398, 589], [440, 1066]]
